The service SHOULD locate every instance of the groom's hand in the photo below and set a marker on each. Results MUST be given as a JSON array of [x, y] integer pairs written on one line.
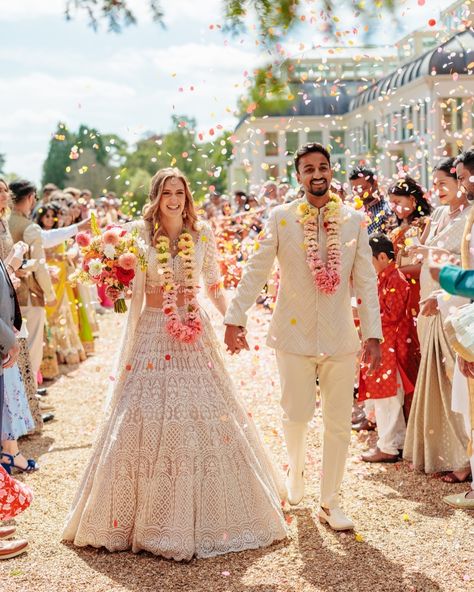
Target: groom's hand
[[372, 354], [235, 339]]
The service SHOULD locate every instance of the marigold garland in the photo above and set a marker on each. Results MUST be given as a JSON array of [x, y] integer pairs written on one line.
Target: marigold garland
[[326, 276], [189, 329]]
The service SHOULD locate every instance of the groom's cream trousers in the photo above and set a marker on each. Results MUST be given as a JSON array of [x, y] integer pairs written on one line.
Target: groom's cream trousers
[[298, 400]]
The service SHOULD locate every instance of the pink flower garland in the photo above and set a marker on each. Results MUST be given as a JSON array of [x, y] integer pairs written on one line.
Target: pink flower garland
[[326, 276], [189, 329]]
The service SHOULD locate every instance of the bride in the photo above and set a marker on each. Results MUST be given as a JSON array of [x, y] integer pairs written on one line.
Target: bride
[[178, 468]]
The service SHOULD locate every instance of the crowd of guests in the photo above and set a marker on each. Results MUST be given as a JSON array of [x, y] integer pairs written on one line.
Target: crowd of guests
[[409, 400], [59, 319]]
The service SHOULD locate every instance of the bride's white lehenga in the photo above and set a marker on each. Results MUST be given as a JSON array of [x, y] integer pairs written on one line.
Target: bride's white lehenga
[[178, 467]]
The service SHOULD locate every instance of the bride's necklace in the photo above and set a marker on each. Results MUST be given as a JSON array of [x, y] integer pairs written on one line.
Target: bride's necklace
[[190, 328]]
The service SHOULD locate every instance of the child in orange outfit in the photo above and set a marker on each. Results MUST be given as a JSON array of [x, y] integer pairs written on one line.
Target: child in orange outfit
[[396, 377]]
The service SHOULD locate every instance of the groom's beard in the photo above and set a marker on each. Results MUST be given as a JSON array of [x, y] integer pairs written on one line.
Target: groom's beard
[[320, 190]]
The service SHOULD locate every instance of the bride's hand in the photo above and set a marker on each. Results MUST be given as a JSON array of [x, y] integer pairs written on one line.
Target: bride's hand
[[235, 339]]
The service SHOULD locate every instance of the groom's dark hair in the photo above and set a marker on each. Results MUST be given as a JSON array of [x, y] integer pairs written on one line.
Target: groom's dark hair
[[467, 159], [308, 149]]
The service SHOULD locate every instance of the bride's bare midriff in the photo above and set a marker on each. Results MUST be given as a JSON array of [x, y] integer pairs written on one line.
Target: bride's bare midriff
[[156, 300]]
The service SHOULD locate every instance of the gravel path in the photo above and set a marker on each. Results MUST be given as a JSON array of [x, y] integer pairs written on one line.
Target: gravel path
[[406, 538]]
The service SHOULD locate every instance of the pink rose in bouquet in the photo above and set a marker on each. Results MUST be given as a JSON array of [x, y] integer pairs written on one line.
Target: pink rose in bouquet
[[127, 261], [83, 239], [112, 236]]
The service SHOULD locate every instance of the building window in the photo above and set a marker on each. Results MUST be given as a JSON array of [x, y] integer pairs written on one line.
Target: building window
[[272, 172], [371, 131], [410, 124], [428, 43], [292, 141], [459, 108], [424, 117], [398, 124], [315, 137], [271, 144], [339, 167], [337, 141], [451, 114], [403, 124], [387, 128], [291, 174], [365, 138]]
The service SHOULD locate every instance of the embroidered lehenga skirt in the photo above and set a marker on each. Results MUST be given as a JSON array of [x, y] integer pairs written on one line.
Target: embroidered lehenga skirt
[[178, 468]]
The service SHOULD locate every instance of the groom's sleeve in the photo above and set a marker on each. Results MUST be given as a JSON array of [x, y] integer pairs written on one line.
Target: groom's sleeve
[[365, 284], [255, 275]]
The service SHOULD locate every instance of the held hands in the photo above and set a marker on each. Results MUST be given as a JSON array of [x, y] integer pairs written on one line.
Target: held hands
[[235, 339], [372, 354]]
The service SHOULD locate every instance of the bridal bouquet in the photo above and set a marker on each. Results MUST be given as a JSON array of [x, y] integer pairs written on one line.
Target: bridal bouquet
[[110, 259]]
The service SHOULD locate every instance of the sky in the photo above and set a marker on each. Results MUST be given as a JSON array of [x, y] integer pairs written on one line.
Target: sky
[[131, 83]]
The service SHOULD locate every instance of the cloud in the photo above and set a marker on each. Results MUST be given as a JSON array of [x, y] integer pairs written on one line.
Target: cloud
[[202, 59]]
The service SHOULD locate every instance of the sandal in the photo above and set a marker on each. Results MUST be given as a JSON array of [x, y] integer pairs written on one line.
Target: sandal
[[452, 478], [30, 467]]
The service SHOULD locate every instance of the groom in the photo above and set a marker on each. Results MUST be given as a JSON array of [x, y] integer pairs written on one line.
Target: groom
[[312, 327]]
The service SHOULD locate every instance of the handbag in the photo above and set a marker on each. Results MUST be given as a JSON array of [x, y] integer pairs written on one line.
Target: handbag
[[459, 327]]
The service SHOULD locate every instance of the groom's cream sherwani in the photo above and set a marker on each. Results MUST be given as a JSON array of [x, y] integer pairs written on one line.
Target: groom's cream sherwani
[[312, 332]]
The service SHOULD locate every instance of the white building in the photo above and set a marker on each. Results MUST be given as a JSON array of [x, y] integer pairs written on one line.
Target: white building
[[420, 108]]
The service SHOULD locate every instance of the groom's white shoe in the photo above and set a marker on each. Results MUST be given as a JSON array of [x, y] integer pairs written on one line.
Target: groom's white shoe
[[295, 438], [336, 519], [295, 487]]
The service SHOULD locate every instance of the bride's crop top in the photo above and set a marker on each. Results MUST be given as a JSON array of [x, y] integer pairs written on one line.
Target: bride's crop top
[[206, 260]]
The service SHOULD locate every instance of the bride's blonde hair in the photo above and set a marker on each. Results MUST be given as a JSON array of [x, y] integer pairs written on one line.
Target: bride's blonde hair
[[151, 211]]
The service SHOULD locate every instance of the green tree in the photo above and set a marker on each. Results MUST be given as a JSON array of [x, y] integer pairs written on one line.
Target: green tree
[[57, 161], [3, 161], [204, 163], [268, 93], [274, 17], [85, 158]]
